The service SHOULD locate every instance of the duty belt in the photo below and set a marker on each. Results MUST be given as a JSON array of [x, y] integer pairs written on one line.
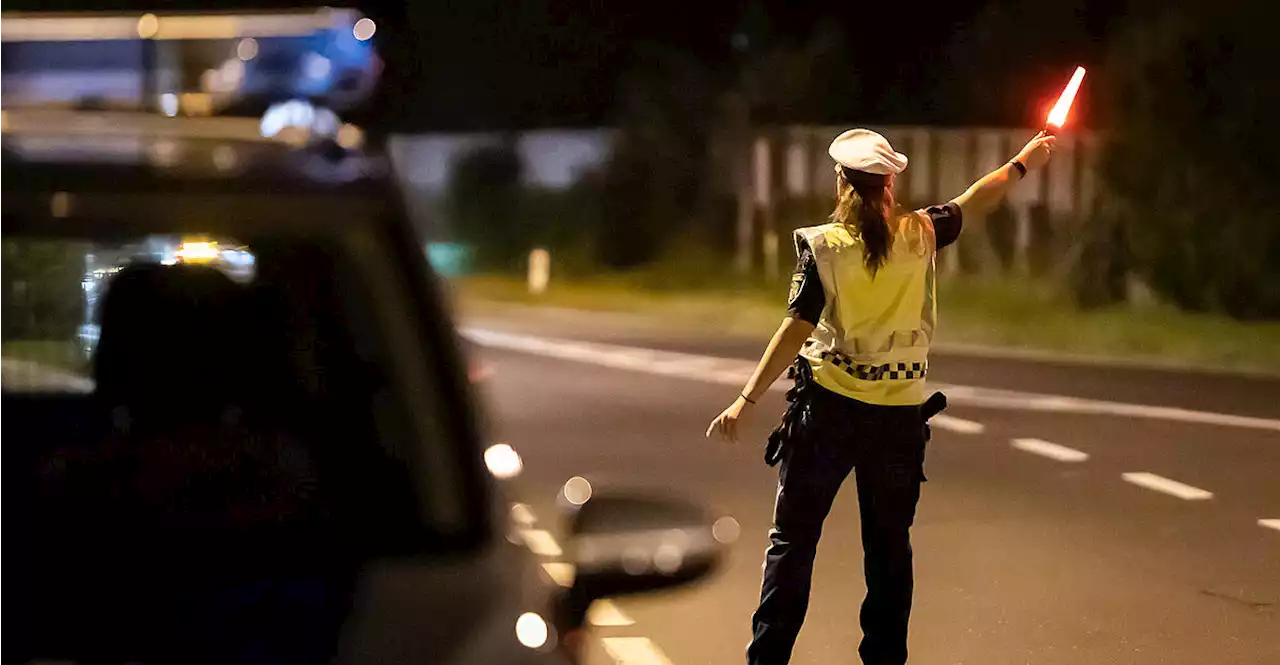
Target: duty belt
[[799, 413], [891, 371]]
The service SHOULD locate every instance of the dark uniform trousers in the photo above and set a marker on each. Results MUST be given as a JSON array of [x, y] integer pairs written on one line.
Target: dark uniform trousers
[[884, 446]]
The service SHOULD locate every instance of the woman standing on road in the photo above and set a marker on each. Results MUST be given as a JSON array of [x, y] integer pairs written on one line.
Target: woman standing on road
[[860, 320]]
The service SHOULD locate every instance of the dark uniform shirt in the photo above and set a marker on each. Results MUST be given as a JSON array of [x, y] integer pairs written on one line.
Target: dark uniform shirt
[[807, 299]]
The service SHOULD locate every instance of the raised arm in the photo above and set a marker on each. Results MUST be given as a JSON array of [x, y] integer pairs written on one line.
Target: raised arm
[[985, 195]]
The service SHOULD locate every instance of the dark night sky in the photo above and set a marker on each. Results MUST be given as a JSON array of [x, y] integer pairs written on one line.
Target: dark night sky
[[464, 64]]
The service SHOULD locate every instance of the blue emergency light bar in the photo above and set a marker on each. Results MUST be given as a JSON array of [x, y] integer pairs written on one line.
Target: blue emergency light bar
[[145, 61]]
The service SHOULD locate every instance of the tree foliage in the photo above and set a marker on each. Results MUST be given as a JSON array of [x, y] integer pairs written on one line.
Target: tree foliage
[[42, 295], [1191, 161], [1009, 60], [484, 204], [655, 180]]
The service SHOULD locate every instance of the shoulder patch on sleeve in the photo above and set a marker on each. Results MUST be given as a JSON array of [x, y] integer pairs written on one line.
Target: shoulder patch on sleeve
[[797, 282]]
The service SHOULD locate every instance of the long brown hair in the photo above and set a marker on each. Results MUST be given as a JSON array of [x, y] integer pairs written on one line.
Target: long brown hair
[[864, 203]]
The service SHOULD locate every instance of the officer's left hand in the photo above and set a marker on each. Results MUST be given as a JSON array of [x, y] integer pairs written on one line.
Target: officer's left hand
[[726, 424]]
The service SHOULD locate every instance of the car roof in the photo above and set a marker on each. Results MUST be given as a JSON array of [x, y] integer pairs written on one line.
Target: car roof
[[125, 151]]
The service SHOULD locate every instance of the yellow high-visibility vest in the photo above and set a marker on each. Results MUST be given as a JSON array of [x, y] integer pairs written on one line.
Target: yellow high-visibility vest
[[872, 341]]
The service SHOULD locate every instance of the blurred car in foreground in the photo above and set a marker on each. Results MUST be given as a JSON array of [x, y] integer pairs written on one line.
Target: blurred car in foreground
[[274, 466]]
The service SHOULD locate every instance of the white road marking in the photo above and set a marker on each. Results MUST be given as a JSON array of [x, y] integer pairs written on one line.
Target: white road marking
[[959, 425], [541, 542], [1050, 450], [1171, 487], [606, 614], [993, 398], [560, 573], [684, 365], [678, 366], [634, 651], [725, 371], [522, 514], [27, 376], [1270, 523]]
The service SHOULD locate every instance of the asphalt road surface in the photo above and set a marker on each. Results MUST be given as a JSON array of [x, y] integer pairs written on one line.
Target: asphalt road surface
[[1074, 514]]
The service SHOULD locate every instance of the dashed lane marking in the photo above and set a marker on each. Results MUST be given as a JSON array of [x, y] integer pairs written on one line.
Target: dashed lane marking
[[634, 651], [734, 372], [958, 425], [561, 573], [993, 398], [1050, 450], [522, 514], [541, 542], [1171, 487], [607, 614]]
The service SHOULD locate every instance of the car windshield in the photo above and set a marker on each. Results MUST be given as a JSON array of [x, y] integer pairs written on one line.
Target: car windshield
[[54, 290]]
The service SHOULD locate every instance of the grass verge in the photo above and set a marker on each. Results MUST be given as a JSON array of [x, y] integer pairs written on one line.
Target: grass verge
[[54, 354], [974, 313]]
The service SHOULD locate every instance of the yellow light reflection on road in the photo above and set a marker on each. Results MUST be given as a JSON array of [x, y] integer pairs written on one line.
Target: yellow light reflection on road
[[503, 461], [577, 490], [725, 530], [531, 630]]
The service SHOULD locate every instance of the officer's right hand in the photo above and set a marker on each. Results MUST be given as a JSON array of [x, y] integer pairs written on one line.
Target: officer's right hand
[[726, 424], [1037, 151]]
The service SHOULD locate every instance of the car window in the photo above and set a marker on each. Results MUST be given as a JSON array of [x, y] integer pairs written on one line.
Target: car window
[[46, 298], [212, 383]]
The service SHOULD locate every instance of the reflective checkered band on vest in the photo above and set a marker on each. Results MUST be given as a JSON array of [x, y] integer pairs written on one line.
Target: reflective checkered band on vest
[[876, 372]]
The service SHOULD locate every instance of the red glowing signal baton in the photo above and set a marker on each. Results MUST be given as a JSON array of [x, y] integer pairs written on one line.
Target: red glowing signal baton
[[1058, 116]]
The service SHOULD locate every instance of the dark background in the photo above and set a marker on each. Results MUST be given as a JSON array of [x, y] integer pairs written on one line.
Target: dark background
[[539, 63]]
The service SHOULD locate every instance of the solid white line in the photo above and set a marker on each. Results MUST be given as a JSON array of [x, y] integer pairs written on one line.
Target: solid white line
[[560, 573], [1011, 399], [711, 369], [1171, 487], [959, 425], [634, 651], [24, 375], [606, 614], [1050, 450], [668, 363], [1270, 524], [541, 542]]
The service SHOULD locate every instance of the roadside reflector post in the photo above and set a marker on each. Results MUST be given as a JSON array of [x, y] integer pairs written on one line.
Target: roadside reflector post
[[762, 171], [539, 271], [771, 253], [60, 205]]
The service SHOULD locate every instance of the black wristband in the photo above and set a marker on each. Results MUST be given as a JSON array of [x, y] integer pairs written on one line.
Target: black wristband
[[748, 399], [1022, 170]]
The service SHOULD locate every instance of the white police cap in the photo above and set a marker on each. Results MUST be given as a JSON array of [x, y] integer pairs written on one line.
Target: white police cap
[[866, 151]]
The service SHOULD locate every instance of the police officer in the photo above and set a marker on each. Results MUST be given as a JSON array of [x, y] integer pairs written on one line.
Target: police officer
[[860, 320]]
